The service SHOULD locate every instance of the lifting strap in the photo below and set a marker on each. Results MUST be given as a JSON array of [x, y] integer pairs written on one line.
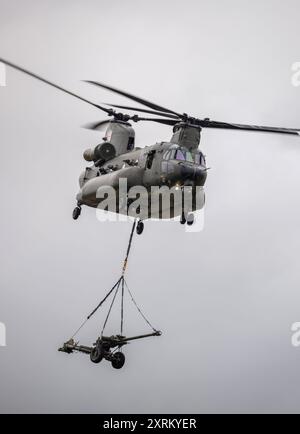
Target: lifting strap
[[120, 283], [135, 303], [128, 248]]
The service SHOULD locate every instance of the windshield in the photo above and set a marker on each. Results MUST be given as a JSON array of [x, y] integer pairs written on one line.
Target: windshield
[[179, 155], [182, 154]]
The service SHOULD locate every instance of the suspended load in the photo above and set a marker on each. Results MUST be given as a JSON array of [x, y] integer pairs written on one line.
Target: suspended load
[[110, 348]]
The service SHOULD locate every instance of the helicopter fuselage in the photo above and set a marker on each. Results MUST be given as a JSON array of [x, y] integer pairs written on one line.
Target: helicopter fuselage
[[146, 172]]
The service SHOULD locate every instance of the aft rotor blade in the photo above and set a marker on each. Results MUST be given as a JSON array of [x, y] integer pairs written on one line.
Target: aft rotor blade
[[230, 126], [134, 98], [142, 110], [31, 74], [96, 125]]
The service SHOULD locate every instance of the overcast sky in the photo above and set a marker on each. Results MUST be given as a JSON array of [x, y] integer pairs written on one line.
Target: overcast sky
[[225, 298]]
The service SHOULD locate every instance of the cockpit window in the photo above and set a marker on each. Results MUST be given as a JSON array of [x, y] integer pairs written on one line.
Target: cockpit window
[[167, 155], [197, 158], [180, 155], [189, 157], [200, 159]]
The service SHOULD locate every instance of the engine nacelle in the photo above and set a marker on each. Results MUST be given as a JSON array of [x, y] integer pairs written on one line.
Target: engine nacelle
[[104, 151]]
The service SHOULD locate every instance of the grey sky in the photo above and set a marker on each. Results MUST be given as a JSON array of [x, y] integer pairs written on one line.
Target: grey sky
[[225, 298]]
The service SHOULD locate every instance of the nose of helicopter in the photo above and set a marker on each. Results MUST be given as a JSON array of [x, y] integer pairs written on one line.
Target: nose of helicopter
[[193, 173]]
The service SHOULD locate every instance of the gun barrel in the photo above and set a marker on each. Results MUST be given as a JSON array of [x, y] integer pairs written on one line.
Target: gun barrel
[[156, 333]]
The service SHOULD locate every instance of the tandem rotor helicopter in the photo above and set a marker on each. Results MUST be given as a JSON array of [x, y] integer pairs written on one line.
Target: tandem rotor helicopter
[[176, 163]]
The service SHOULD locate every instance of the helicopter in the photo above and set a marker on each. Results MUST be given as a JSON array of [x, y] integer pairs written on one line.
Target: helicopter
[[176, 164]]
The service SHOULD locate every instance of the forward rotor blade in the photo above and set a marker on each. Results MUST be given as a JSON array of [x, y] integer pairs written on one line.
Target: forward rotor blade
[[31, 74], [229, 126], [142, 110], [96, 125], [170, 122], [134, 98]]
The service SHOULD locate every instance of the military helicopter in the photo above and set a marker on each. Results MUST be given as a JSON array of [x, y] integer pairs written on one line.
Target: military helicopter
[[177, 163]]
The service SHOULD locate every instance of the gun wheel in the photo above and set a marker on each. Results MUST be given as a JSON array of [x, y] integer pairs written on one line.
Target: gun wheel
[[96, 354], [118, 360]]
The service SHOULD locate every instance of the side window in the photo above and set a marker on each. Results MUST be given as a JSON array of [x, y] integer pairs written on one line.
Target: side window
[[200, 159], [130, 144], [150, 159], [197, 158]]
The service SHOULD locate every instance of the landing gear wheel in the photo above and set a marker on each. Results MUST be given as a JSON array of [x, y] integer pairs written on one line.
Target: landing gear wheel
[[190, 219], [118, 360], [76, 212], [182, 220], [96, 354], [139, 229]]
